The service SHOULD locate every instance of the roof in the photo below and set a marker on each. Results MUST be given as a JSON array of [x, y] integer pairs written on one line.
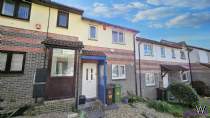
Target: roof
[[56, 43], [163, 42], [109, 24], [56, 5], [205, 64], [174, 68], [199, 48]]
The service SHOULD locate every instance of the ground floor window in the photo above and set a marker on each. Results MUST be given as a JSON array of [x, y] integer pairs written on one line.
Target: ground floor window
[[62, 62], [118, 71], [150, 79], [184, 76], [12, 62]]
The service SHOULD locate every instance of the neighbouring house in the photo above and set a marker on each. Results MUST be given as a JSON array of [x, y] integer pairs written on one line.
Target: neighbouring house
[[52, 51], [200, 61], [159, 64]]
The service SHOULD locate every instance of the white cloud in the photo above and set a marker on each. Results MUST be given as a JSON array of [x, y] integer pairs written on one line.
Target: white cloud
[[154, 14], [101, 9], [156, 25], [194, 4], [190, 20]]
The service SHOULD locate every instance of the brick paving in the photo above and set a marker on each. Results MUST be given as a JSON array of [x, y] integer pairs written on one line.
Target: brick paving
[[139, 111], [125, 111]]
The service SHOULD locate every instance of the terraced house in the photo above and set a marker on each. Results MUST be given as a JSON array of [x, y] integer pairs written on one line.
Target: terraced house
[[159, 64], [200, 61], [52, 51]]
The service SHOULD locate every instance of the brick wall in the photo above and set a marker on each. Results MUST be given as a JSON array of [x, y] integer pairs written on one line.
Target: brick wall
[[17, 89]]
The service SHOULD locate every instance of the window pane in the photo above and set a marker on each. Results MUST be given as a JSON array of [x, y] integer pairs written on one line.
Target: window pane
[[92, 32], [122, 71], [121, 40], [115, 71], [182, 55], [3, 61], [17, 62], [62, 62], [8, 7], [23, 11], [163, 52], [62, 19], [114, 36], [148, 50], [173, 53]]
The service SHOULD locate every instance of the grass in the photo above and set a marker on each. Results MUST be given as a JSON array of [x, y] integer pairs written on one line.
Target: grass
[[162, 106]]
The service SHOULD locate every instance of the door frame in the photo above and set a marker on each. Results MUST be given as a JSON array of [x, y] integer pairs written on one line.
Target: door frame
[[102, 60], [90, 62]]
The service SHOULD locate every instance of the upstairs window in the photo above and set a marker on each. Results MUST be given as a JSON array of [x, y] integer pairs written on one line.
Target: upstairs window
[[118, 37], [16, 8], [148, 50], [12, 62], [182, 55], [92, 32], [163, 52], [118, 72], [63, 19], [173, 54]]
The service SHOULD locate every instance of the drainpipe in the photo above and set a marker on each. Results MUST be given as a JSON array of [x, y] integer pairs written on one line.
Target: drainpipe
[[45, 50], [134, 45], [77, 77], [140, 81], [190, 66]]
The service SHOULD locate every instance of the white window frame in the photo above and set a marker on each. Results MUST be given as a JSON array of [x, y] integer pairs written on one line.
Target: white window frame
[[93, 38], [146, 52], [173, 53], [187, 76], [184, 58], [163, 54], [118, 37], [151, 76], [119, 77]]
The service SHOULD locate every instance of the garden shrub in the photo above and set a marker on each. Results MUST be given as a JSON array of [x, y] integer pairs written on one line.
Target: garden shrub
[[185, 94], [200, 87]]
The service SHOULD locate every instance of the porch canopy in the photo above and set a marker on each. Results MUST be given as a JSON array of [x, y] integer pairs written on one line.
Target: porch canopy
[[166, 68], [173, 68], [67, 44], [205, 64]]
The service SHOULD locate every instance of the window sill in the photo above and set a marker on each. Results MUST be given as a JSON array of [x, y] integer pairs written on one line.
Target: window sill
[[184, 80], [122, 78], [63, 27], [92, 39], [118, 43], [149, 55], [12, 17], [12, 73], [150, 85]]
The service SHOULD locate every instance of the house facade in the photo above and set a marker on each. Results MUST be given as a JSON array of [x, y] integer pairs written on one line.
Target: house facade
[[159, 64], [51, 50], [200, 61]]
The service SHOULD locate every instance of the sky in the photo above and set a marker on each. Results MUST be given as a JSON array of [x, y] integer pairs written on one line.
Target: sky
[[173, 20]]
